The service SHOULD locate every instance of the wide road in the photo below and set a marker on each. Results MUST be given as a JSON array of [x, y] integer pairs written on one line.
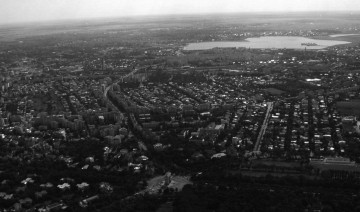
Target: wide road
[[114, 83], [257, 146]]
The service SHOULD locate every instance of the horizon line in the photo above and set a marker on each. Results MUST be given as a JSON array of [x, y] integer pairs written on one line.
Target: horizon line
[[58, 21]]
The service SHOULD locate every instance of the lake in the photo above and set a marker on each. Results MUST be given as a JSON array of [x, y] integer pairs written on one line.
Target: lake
[[343, 35], [268, 42]]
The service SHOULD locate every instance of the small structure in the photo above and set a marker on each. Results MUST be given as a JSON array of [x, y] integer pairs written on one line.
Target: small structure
[[64, 186], [27, 180], [167, 178], [85, 202], [82, 186], [106, 188], [335, 163], [218, 155], [55, 207]]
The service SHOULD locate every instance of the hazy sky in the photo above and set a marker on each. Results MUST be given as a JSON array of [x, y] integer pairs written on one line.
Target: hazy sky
[[42, 10]]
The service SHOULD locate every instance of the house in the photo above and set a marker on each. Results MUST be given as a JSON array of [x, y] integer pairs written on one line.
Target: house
[[40, 194], [26, 201], [64, 186], [82, 186], [27, 180], [47, 185]]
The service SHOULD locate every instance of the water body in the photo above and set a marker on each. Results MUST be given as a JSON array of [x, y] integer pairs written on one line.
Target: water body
[[268, 42], [343, 35]]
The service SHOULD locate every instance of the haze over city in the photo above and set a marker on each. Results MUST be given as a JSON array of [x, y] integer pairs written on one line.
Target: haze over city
[[180, 105], [14, 11]]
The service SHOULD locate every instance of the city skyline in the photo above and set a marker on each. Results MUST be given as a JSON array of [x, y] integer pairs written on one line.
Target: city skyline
[[40, 10]]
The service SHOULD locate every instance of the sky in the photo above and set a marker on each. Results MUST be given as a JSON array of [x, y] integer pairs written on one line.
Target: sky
[[15, 11]]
